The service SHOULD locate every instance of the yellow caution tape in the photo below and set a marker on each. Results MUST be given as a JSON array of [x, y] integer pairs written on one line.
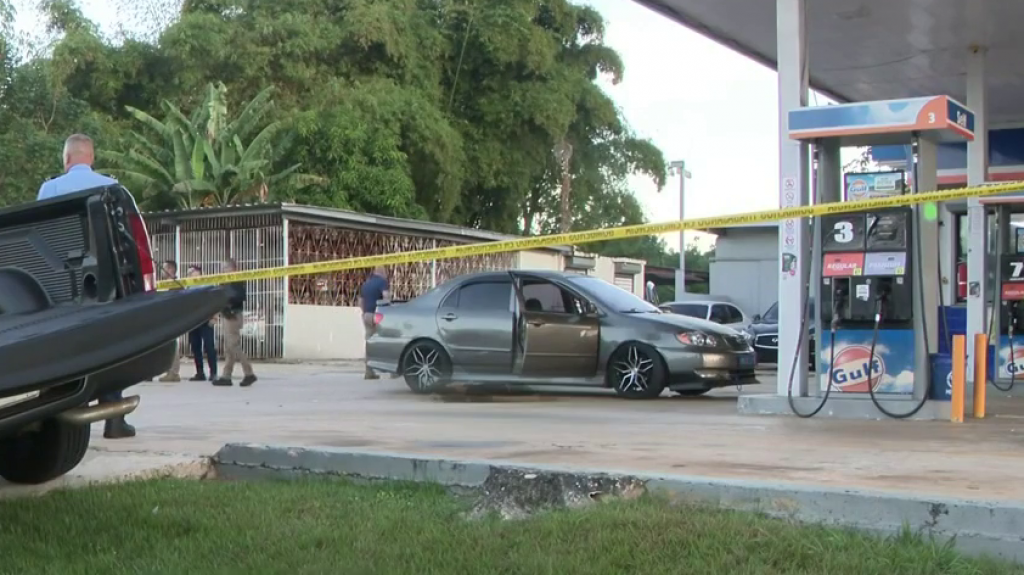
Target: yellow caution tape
[[575, 238]]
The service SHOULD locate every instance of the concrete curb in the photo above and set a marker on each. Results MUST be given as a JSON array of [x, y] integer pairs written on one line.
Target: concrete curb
[[989, 528], [159, 468]]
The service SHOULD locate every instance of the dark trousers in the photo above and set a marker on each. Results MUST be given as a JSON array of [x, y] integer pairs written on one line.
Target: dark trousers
[[202, 342], [111, 397]]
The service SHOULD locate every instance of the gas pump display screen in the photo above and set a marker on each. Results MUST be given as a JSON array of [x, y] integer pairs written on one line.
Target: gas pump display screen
[[887, 231], [843, 233]]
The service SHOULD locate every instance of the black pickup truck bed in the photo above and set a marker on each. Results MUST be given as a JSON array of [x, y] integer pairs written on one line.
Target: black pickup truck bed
[[79, 319], [94, 337]]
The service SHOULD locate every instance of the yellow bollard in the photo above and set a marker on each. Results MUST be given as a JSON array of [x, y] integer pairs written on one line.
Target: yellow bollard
[[956, 401], [980, 373]]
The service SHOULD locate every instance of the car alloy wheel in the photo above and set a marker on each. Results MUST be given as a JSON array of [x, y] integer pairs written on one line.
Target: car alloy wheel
[[636, 371], [426, 367], [633, 371]]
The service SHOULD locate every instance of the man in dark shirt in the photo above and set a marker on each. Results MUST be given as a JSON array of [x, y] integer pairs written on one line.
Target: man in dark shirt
[[375, 288], [233, 332]]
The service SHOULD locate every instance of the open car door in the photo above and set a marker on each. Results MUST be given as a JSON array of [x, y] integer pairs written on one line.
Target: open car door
[[558, 332]]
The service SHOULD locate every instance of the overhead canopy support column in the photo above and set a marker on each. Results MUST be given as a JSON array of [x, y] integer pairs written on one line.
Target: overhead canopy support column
[[791, 41], [977, 172]]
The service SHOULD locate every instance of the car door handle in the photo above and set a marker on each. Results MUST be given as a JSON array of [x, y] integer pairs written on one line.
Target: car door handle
[[449, 316], [535, 322]]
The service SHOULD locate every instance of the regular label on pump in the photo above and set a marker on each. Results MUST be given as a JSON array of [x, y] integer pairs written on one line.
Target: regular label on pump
[[843, 265]]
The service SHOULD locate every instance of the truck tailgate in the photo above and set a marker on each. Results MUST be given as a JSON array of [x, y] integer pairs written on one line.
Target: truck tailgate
[[69, 342]]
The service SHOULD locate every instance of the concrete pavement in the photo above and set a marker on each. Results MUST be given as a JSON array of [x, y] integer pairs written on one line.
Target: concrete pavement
[[331, 405]]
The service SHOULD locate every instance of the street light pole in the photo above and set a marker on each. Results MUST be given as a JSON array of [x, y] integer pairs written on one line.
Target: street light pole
[[678, 168]]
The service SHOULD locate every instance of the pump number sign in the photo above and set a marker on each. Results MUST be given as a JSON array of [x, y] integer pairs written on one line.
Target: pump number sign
[[843, 233], [1012, 276]]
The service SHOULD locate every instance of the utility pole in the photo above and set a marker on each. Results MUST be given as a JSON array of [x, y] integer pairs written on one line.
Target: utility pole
[[563, 151], [678, 168]]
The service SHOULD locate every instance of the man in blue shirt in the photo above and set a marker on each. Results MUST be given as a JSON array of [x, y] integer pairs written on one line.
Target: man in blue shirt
[[375, 288], [78, 176]]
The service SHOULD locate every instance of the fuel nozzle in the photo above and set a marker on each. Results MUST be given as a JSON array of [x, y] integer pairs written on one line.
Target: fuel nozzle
[[839, 297], [882, 297]]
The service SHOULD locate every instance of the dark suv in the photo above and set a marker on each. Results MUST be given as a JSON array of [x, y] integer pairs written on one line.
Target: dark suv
[[764, 333]]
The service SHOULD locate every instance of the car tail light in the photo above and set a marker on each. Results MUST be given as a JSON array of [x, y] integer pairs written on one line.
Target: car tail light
[[145, 253], [377, 318]]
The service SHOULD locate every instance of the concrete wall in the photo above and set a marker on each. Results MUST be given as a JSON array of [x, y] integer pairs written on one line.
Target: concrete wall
[[746, 268], [540, 261], [323, 332]]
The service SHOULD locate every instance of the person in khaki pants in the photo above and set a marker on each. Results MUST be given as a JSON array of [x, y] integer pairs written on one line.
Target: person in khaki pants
[[233, 333], [169, 271]]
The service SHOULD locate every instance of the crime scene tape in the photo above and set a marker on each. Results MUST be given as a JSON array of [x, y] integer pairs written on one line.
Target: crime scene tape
[[590, 236]]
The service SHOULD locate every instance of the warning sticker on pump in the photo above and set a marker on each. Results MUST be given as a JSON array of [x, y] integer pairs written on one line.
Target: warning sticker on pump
[[591, 236]]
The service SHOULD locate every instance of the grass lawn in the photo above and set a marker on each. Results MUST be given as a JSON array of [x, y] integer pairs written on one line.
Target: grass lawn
[[191, 527]]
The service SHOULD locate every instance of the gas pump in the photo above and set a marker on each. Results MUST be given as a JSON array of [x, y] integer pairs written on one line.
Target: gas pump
[[866, 258], [1011, 319]]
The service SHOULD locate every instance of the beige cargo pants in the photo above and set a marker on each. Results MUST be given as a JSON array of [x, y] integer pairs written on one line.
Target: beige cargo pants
[[233, 347]]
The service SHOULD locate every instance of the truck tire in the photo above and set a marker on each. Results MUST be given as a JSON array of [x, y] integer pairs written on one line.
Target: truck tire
[[46, 453]]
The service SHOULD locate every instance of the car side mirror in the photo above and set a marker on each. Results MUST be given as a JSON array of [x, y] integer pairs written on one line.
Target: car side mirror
[[589, 308], [757, 317]]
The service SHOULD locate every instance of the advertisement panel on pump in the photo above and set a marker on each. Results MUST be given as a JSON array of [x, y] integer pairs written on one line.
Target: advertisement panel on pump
[[891, 370], [868, 185]]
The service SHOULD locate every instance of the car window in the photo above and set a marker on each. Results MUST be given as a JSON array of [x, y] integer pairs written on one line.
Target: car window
[[719, 314], [613, 297], [485, 296], [547, 297], [696, 310], [733, 314], [772, 315]]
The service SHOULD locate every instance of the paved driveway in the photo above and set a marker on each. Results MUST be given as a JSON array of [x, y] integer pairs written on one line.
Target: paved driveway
[[331, 405]]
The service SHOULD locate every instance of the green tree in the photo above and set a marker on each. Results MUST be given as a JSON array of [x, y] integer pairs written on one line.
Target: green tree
[[201, 159]]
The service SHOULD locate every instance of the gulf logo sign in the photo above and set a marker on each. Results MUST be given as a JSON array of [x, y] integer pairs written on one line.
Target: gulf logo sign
[[858, 186], [854, 369], [1015, 363]]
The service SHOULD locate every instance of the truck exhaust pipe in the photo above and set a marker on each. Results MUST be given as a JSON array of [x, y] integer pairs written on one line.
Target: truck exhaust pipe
[[99, 412]]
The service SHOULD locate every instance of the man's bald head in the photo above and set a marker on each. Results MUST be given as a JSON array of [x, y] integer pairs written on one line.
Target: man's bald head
[[78, 149]]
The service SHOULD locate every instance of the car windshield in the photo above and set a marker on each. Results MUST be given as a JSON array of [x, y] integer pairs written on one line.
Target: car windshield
[[697, 310], [772, 315], [613, 297]]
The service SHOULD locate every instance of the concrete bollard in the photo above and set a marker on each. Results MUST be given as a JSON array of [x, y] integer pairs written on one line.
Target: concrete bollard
[[980, 373]]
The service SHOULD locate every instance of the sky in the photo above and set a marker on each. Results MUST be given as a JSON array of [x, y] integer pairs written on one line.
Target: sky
[[698, 101]]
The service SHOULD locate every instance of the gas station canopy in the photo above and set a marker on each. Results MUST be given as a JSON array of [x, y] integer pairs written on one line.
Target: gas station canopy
[[863, 50]]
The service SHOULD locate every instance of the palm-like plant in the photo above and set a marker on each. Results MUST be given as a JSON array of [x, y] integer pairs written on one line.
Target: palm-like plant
[[202, 159]]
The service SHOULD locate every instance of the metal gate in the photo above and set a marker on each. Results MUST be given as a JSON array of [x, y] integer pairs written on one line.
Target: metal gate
[[254, 242]]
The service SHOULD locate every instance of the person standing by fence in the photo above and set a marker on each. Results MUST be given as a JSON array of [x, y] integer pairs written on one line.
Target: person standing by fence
[[202, 341], [169, 271], [233, 316]]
